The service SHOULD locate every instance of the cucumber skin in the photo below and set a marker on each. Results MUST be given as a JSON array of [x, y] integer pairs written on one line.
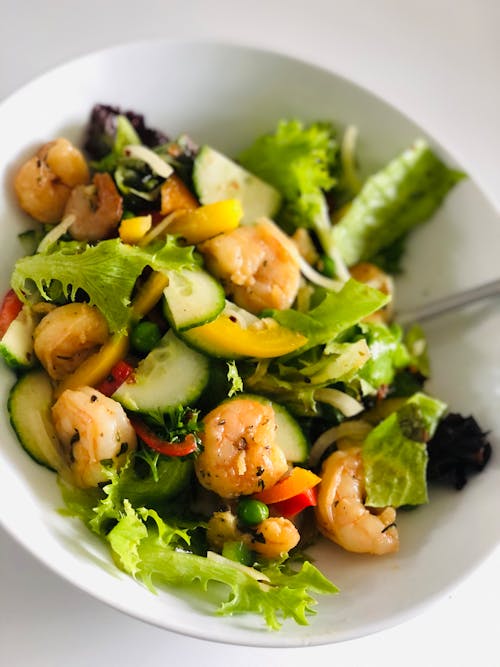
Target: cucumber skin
[[19, 332], [300, 451], [196, 320], [21, 435], [125, 393]]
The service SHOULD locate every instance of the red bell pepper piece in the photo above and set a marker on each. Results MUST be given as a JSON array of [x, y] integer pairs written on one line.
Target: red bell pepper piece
[[292, 506], [117, 376], [9, 310], [183, 448]]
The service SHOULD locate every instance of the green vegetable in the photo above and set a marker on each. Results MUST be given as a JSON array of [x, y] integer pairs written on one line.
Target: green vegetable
[[395, 454], [156, 551], [125, 136], [402, 195], [111, 267], [299, 161], [337, 312], [234, 379], [153, 479], [251, 512], [388, 354], [145, 336], [239, 552]]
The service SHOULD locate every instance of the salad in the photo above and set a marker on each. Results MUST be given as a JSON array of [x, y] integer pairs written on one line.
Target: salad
[[206, 353]]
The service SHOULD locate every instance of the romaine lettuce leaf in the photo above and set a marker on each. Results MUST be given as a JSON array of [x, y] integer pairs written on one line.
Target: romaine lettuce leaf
[[402, 195], [388, 354], [106, 272], [337, 312], [395, 454]]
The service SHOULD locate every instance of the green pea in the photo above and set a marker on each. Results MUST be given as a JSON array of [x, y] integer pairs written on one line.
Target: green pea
[[252, 512], [145, 336]]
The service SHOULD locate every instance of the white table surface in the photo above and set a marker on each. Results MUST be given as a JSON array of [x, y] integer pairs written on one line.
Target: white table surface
[[439, 61]]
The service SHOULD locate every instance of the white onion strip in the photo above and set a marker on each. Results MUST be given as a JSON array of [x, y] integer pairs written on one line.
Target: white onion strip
[[348, 158], [151, 158], [347, 405], [306, 269], [160, 227], [357, 430], [56, 233]]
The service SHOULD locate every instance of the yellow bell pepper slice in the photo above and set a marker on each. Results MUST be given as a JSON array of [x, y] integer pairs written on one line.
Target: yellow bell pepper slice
[[225, 337], [97, 367], [132, 230], [204, 222], [149, 294]]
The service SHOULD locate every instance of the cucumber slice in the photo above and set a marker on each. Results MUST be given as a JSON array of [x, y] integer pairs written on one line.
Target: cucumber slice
[[16, 346], [29, 403], [172, 375], [192, 298], [289, 435], [216, 177]]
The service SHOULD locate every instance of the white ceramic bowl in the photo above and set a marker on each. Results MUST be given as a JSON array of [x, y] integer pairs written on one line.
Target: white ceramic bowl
[[226, 95]]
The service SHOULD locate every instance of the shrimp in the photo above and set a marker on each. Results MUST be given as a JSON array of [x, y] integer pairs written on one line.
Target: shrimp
[[67, 335], [272, 538], [97, 209], [256, 268], [371, 275], [341, 514], [44, 182], [93, 429], [240, 455]]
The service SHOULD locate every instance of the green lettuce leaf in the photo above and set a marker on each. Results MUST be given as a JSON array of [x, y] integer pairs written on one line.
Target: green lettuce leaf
[[125, 136], [337, 312], [388, 353], [299, 161], [402, 195], [106, 272], [157, 551], [416, 344], [395, 454], [151, 558]]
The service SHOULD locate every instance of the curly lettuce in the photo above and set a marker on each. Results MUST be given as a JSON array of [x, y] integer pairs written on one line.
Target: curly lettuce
[[159, 550], [299, 161], [106, 273]]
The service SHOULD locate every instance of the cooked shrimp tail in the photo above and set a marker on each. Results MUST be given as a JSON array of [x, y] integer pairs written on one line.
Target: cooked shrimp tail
[[341, 514]]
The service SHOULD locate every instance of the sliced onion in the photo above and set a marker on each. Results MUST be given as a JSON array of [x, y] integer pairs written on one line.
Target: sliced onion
[[306, 269], [348, 158], [357, 430], [347, 405], [151, 158], [159, 228], [56, 233]]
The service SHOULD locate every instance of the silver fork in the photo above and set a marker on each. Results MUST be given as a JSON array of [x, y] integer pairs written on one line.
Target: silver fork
[[449, 303]]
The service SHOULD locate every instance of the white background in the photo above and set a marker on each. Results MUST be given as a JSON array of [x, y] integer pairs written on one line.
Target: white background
[[438, 61]]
